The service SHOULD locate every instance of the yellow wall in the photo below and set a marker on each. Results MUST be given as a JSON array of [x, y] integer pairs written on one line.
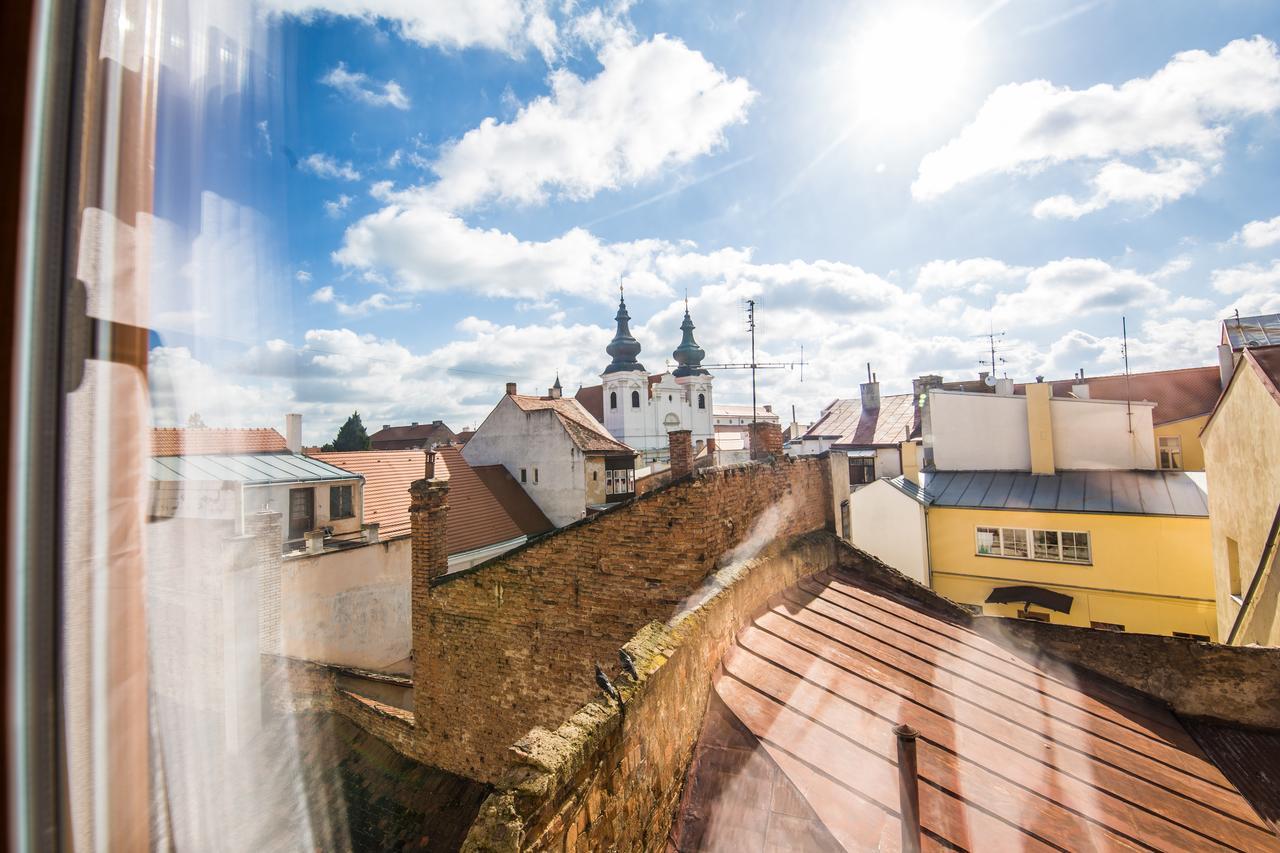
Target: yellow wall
[[1241, 453], [1188, 430], [1152, 574], [1040, 428]]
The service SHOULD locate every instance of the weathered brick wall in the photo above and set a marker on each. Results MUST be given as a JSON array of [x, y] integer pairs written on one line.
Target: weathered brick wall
[[510, 644], [610, 781], [766, 440], [680, 442]]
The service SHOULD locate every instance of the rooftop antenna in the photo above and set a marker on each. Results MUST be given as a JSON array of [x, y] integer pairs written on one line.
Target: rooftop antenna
[[995, 360], [1124, 350]]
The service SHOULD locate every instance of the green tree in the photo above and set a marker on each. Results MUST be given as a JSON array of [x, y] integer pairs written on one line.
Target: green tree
[[351, 436]]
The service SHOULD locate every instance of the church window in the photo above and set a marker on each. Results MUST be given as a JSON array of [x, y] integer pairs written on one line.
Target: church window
[[535, 475], [613, 399], [702, 401], [524, 475], [635, 399]]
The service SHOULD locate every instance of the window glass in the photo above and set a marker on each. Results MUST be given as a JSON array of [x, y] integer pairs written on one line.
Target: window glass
[[1046, 545], [988, 540], [340, 502], [1075, 547], [1013, 542]]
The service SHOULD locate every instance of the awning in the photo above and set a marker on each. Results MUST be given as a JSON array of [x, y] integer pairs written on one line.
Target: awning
[[1031, 595]]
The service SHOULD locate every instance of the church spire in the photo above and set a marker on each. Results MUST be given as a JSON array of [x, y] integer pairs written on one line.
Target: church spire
[[623, 348], [689, 355]]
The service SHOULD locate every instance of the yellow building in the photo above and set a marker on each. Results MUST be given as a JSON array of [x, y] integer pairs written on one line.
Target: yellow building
[[1048, 508], [1242, 463]]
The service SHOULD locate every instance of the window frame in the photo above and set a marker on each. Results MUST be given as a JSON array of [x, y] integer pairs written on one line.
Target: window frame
[[635, 399], [867, 464], [613, 399], [1173, 449], [350, 492], [1034, 542]]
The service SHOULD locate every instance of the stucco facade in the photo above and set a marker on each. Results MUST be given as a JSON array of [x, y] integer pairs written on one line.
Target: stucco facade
[[1187, 432], [890, 525], [1242, 464], [1149, 574]]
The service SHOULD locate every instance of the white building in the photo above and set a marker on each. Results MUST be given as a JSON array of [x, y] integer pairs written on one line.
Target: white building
[[556, 451], [638, 409]]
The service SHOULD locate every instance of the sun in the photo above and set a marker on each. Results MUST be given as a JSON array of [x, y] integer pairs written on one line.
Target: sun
[[907, 64]]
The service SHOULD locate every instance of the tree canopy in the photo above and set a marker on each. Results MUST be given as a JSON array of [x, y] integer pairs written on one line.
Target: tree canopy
[[351, 436]]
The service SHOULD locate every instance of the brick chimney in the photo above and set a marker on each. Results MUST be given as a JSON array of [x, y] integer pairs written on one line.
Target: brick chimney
[[511, 389], [428, 515], [766, 440], [870, 391], [681, 444]]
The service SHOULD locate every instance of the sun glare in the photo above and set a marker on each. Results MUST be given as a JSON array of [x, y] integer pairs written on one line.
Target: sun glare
[[907, 65]]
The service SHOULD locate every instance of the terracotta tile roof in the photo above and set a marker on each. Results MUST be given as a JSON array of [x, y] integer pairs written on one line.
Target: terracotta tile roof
[[894, 422], [592, 399], [586, 432], [411, 436], [207, 441], [464, 436], [1178, 394], [1014, 752], [485, 507]]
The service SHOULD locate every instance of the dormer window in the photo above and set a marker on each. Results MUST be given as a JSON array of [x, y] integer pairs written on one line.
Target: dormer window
[[635, 399]]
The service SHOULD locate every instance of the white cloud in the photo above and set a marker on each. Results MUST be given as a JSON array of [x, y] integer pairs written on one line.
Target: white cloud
[[302, 276], [1169, 181], [1248, 278], [1260, 233], [1182, 113], [508, 26], [977, 276], [334, 208], [1173, 267], [324, 166], [1070, 288], [359, 86], [377, 302], [653, 105]]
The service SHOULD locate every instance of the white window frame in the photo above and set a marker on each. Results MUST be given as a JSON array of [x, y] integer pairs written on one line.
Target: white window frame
[[1174, 450], [1020, 543]]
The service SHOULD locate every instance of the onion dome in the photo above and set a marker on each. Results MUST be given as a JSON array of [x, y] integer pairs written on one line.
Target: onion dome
[[623, 347], [688, 355]]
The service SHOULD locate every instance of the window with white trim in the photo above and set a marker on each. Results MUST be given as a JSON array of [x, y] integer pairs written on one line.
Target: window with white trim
[[1056, 546], [1170, 452]]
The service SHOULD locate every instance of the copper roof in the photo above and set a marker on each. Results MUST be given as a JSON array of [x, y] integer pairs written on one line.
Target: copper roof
[[891, 424], [485, 507], [586, 432], [411, 436], [1014, 752], [206, 441]]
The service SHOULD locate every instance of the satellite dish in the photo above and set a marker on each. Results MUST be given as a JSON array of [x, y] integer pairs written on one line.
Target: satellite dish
[[991, 381]]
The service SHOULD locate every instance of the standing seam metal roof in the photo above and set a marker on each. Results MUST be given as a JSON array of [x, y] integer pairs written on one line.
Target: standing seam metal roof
[[1117, 492], [249, 468]]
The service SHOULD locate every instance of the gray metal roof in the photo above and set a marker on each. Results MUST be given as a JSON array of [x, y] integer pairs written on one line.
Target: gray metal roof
[[249, 468], [1123, 492], [1262, 330]]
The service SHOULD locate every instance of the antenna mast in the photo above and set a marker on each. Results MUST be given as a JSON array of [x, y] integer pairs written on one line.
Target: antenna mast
[[995, 360], [751, 327], [1124, 349]]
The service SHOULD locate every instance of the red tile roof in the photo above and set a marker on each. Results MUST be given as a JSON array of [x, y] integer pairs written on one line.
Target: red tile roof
[[1187, 392], [1014, 752], [187, 441], [485, 506], [891, 424], [586, 432], [411, 437]]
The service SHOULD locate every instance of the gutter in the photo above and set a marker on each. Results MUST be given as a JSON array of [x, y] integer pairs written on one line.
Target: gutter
[[1268, 548]]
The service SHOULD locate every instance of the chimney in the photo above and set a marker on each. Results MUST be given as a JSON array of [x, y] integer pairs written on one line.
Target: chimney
[[870, 395], [766, 440], [428, 517], [315, 541], [1226, 364], [511, 389], [437, 423], [431, 465], [922, 384], [293, 432], [1004, 387], [982, 376], [1040, 427], [680, 442], [413, 423], [768, 409], [370, 531], [386, 426]]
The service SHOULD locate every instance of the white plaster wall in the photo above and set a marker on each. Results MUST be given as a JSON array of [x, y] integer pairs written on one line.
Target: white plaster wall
[[626, 424], [348, 607], [276, 498], [518, 439], [979, 432], [1094, 434], [887, 524], [888, 462]]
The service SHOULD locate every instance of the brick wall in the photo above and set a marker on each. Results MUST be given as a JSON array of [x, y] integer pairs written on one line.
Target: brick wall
[[680, 442], [510, 644], [766, 440], [610, 781]]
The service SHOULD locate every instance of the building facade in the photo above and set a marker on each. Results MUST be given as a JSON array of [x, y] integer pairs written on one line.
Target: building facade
[[1242, 463]]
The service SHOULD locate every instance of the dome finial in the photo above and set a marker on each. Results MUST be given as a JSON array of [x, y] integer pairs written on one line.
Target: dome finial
[[623, 348]]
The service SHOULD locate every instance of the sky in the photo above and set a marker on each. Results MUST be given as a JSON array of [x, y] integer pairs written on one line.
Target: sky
[[396, 207]]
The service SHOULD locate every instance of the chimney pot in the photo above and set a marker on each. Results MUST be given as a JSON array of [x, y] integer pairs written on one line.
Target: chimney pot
[[431, 465], [511, 389], [315, 541]]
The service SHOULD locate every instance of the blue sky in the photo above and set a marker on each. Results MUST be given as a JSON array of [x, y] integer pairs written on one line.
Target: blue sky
[[398, 206]]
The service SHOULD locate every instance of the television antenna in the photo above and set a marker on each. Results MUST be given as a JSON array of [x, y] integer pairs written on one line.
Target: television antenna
[[754, 365], [994, 361]]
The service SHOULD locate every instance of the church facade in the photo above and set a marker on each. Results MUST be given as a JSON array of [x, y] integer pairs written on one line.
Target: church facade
[[639, 409]]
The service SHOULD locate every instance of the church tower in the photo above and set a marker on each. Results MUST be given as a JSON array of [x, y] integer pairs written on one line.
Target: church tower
[[625, 384], [694, 379]]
